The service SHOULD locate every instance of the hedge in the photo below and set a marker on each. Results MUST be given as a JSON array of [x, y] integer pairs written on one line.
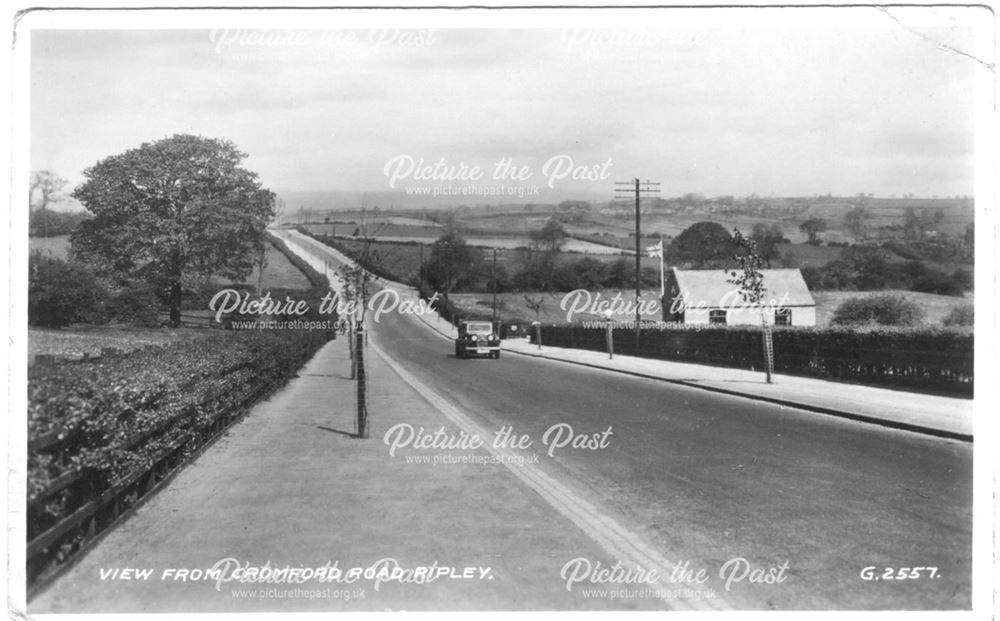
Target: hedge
[[97, 425], [317, 280], [928, 359]]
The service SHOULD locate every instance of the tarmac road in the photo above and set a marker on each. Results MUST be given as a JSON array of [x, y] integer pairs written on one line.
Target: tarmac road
[[710, 478]]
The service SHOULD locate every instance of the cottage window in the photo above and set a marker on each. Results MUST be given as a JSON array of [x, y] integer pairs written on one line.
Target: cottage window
[[783, 317], [717, 316]]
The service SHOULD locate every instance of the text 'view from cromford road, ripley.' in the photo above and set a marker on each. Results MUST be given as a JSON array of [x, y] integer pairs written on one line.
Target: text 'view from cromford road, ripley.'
[[377, 310]]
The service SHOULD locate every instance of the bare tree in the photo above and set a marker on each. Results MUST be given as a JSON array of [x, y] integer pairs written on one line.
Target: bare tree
[[46, 188], [536, 305]]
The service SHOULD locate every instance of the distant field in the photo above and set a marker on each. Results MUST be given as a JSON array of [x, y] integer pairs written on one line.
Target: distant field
[[427, 230], [57, 247], [479, 241], [804, 255], [403, 260]]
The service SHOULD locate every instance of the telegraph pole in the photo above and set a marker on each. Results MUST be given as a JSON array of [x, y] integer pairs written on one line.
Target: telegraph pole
[[420, 275], [639, 188]]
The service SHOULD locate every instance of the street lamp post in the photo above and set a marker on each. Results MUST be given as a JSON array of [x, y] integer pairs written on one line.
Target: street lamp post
[[494, 278]]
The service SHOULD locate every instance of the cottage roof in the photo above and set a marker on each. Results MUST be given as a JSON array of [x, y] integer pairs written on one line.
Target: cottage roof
[[711, 287]]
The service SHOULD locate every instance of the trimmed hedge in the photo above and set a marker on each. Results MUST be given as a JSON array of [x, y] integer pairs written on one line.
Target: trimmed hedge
[[95, 424], [317, 280], [930, 359]]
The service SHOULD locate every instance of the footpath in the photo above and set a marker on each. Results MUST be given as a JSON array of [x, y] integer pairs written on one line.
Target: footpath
[[291, 487], [928, 414]]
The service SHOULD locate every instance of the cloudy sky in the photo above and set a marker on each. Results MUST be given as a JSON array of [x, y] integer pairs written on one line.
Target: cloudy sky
[[714, 101]]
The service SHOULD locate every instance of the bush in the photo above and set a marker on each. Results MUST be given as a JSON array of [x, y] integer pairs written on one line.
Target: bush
[[961, 315], [963, 278], [61, 293], [884, 309], [135, 304], [836, 275]]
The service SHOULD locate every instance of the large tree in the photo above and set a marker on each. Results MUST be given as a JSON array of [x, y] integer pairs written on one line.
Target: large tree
[[767, 239], [177, 209], [453, 263], [545, 246], [703, 244], [813, 227], [856, 219]]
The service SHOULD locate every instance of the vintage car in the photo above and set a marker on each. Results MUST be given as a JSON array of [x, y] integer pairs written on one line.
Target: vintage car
[[477, 338]]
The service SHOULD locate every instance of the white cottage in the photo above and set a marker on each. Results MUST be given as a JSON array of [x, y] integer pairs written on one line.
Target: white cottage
[[706, 297]]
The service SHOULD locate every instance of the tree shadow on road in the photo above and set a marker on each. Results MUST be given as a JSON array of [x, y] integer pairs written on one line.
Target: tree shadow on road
[[349, 434]]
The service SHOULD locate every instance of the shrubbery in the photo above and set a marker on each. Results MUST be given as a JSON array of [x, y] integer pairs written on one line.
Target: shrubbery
[[883, 309], [61, 293], [961, 315], [137, 305]]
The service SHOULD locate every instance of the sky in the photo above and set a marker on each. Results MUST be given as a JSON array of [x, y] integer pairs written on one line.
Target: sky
[[713, 101]]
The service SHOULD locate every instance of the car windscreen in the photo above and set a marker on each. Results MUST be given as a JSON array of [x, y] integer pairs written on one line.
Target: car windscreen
[[478, 328]]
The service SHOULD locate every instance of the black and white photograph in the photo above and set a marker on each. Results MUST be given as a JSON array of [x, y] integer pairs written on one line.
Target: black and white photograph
[[502, 309]]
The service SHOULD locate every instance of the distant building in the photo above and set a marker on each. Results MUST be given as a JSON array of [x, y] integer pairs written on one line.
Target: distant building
[[706, 297]]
